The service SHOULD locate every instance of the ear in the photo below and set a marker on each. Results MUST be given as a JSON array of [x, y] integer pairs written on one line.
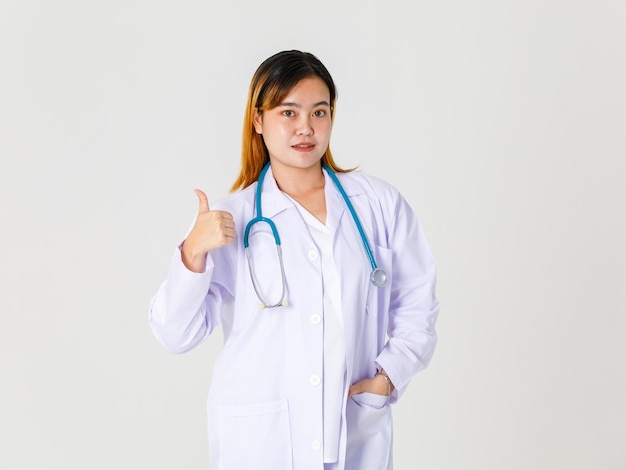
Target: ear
[[258, 121]]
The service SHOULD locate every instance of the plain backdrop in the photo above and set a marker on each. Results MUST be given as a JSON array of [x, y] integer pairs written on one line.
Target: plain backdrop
[[502, 122]]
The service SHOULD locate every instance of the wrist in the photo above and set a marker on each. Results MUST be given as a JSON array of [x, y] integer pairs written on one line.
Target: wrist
[[193, 261], [388, 382]]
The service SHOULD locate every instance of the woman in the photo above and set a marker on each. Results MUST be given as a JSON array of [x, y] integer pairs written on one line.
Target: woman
[[305, 381]]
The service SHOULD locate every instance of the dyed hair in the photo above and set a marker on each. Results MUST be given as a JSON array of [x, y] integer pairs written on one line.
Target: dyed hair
[[271, 83]]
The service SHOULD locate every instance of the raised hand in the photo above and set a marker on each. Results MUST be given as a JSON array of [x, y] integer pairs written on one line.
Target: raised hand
[[213, 229]]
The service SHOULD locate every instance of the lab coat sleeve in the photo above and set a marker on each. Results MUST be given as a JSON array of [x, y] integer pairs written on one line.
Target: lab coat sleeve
[[413, 307], [187, 306]]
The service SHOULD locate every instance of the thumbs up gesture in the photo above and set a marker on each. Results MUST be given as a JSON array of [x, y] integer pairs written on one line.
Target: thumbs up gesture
[[213, 229]]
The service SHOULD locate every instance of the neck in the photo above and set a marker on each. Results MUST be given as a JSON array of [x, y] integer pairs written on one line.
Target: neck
[[297, 182]]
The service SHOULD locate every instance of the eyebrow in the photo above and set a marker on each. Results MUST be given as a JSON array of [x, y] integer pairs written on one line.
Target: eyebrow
[[296, 105]]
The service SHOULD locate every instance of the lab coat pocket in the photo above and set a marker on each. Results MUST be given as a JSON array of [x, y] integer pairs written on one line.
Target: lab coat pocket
[[254, 436], [371, 399], [378, 297], [369, 432]]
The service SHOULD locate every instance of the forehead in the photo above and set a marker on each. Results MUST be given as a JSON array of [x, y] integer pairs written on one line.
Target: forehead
[[311, 89]]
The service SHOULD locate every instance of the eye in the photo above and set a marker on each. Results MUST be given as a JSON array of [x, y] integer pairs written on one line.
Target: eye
[[288, 113], [319, 113]]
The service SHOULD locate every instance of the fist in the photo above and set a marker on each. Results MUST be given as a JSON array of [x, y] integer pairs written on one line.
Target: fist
[[213, 229]]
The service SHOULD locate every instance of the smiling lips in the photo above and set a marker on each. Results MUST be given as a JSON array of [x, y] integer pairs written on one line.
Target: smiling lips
[[303, 146]]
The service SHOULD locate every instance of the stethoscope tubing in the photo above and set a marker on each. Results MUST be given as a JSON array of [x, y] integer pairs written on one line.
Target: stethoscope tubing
[[259, 212], [378, 277], [355, 217]]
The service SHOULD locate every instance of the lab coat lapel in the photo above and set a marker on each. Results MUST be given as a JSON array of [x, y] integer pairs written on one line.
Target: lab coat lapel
[[273, 200], [335, 205], [337, 213]]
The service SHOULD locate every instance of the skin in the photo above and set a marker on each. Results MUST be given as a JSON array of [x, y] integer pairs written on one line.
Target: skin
[[296, 134]]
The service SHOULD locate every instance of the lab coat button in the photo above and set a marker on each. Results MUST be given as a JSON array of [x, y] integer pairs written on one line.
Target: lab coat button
[[313, 255], [316, 445], [315, 380], [316, 319]]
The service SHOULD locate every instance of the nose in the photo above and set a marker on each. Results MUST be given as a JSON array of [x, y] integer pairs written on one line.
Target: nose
[[305, 127]]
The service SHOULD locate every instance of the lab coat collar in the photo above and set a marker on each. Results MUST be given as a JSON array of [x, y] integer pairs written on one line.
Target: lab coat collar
[[275, 201]]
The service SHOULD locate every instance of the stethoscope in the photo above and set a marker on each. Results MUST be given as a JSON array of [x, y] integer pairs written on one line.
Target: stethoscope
[[378, 277]]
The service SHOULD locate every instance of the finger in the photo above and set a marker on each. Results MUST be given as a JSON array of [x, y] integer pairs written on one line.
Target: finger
[[203, 201], [229, 228], [228, 223]]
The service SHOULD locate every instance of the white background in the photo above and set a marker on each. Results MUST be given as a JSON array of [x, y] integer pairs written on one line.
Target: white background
[[502, 122]]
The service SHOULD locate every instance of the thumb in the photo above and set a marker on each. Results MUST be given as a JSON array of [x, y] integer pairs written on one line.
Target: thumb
[[203, 201]]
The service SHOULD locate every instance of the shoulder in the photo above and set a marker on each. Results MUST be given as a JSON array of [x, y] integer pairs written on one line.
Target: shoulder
[[382, 197], [377, 188]]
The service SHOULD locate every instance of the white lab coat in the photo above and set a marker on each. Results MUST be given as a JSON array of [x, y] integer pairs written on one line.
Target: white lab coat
[[265, 402]]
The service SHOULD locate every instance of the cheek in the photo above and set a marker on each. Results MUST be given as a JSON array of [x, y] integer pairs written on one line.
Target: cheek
[[277, 129], [326, 128], [276, 137], [282, 131]]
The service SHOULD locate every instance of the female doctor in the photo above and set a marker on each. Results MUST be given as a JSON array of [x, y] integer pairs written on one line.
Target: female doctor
[[322, 281]]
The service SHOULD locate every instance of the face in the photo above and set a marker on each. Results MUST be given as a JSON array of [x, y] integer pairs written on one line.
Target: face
[[297, 131]]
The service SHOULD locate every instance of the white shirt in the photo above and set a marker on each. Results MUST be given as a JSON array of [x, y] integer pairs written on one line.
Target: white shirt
[[334, 341]]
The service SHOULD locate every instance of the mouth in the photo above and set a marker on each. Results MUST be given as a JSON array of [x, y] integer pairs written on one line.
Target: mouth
[[303, 146]]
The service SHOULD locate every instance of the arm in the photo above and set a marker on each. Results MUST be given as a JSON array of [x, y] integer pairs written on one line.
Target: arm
[[188, 305], [413, 306]]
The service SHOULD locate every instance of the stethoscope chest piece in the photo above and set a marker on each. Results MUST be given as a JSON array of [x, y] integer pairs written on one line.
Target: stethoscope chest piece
[[378, 277]]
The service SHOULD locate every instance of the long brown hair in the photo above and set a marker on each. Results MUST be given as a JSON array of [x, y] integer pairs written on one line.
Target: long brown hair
[[271, 83]]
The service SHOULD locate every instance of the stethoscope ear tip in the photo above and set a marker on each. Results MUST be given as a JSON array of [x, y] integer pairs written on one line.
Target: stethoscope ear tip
[[284, 303]]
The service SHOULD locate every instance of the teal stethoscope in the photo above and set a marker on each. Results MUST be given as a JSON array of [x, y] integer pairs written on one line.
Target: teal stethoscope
[[378, 277]]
